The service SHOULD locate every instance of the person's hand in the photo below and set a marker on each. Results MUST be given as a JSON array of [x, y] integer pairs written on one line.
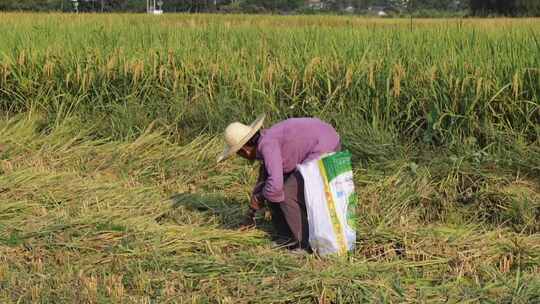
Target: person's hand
[[255, 202]]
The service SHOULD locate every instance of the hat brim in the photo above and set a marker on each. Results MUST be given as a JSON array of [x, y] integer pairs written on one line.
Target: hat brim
[[230, 150]]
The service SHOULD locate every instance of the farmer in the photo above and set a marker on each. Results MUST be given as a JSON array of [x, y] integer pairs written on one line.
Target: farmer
[[280, 149]]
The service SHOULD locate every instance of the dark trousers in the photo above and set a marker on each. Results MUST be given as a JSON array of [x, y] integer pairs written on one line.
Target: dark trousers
[[289, 218]]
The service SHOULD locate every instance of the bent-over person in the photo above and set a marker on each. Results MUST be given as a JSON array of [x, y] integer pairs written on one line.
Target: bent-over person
[[280, 149]]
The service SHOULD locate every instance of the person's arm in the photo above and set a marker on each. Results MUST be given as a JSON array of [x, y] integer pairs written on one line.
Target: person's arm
[[273, 163], [256, 200], [256, 195]]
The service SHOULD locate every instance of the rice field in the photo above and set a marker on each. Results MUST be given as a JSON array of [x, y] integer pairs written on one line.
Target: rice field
[[110, 126]]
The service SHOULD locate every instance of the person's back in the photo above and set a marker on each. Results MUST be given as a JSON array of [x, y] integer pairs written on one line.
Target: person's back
[[298, 140]]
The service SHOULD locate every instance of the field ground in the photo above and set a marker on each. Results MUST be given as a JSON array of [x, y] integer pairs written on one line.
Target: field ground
[[110, 126]]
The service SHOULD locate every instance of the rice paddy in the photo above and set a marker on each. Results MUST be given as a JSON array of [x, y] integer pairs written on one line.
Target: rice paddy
[[111, 124]]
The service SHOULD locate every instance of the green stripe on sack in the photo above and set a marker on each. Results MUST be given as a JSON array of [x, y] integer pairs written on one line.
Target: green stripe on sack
[[336, 164]]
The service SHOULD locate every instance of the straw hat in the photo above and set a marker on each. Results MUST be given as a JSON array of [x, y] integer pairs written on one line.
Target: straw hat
[[237, 135]]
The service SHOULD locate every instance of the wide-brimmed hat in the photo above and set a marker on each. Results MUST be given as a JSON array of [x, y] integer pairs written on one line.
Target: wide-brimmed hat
[[237, 134]]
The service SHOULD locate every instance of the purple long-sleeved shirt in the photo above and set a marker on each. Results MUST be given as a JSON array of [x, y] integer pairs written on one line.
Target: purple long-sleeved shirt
[[289, 143]]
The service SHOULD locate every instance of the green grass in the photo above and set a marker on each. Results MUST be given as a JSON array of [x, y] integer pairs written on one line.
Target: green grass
[[111, 124]]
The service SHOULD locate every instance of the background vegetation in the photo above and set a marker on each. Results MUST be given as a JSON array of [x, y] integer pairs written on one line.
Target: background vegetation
[[423, 8], [111, 124]]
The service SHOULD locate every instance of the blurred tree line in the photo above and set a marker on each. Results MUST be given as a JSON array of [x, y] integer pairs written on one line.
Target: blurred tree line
[[505, 7], [475, 7]]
